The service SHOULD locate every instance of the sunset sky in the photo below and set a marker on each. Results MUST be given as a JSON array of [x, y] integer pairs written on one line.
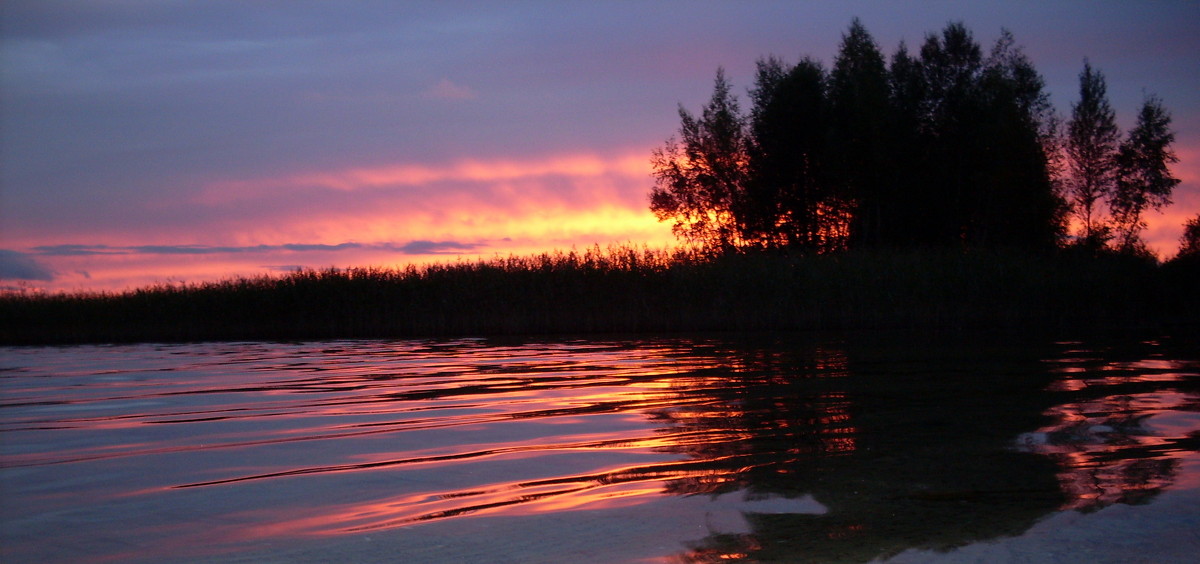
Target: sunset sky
[[149, 141]]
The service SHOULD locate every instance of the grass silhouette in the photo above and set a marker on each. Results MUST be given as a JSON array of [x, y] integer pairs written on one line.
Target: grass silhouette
[[626, 289]]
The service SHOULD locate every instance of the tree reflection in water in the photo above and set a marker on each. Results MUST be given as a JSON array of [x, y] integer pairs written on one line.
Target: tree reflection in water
[[917, 446], [1107, 437]]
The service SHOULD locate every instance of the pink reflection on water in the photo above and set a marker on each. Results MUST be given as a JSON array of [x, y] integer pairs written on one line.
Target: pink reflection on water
[[1124, 440], [244, 428], [253, 444]]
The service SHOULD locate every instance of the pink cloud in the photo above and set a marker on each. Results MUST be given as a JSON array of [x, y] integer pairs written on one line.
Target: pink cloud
[[417, 174], [1166, 227]]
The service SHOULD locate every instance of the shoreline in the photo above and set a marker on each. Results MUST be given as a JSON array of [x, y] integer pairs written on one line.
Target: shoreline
[[636, 291]]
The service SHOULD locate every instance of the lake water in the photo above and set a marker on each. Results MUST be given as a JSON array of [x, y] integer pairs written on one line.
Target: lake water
[[807, 449]]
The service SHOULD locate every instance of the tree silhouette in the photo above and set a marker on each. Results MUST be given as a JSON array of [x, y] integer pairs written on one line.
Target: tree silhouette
[[1014, 201], [983, 128], [904, 226], [858, 103], [947, 148], [1143, 176], [1091, 146], [950, 63], [699, 184], [1189, 243], [790, 189]]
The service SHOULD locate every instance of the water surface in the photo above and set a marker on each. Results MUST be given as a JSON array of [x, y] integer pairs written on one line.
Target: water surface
[[674, 449]]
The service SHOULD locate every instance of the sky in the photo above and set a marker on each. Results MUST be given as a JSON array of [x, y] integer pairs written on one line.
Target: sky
[[178, 141]]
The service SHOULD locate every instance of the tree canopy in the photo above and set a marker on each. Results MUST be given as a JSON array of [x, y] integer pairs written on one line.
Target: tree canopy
[[950, 146], [1189, 242], [701, 178], [1091, 145], [1143, 177]]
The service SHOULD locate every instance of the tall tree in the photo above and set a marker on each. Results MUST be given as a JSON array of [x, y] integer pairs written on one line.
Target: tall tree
[[700, 179], [1143, 173], [790, 184], [902, 207], [952, 111], [1014, 202], [858, 103], [1091, 147]]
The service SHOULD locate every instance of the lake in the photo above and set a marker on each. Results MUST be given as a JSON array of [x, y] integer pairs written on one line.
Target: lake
[[819, 448]]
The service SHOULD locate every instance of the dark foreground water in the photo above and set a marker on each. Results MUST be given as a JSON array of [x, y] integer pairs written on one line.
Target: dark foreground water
[[679, 450]]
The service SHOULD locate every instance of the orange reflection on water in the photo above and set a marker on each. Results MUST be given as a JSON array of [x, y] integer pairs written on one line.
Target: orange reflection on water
[[703, 438], [509, 498], [327, 439]]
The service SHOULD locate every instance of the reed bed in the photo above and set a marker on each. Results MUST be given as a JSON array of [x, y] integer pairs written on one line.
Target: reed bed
[[625, 289]]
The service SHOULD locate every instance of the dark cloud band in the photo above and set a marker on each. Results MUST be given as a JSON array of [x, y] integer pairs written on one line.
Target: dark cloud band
[[20, 266], [417, 247]]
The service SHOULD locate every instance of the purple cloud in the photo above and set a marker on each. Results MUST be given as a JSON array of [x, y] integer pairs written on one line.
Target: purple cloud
[[416, 247], [20, 266], [436, 247]]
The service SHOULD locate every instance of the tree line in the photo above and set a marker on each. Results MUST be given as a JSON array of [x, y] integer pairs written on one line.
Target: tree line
[[945, 147]]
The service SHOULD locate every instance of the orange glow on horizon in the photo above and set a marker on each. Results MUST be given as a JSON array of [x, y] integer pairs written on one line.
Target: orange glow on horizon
[[484, 208]]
